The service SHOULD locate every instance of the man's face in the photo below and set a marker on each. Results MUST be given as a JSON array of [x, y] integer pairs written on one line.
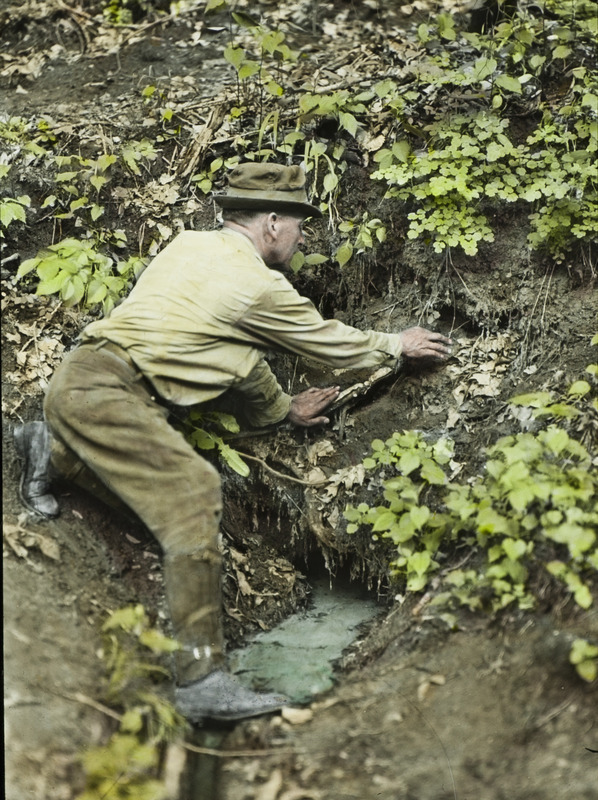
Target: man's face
[[289, 235]]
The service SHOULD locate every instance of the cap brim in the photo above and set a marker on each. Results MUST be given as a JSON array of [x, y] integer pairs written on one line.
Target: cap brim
[[260, 204]]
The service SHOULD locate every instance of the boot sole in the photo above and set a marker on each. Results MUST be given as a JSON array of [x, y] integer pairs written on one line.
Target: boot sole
[[234, 717]]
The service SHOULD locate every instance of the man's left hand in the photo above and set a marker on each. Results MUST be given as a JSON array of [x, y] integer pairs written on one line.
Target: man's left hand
[[307, 406]]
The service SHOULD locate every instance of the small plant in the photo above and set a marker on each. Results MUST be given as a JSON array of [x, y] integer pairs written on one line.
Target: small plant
[[79, 184], [471, 161], [204, 430], [12, 209], [584, 657], [368, 234], [121, 12], [532, 509], [270, 47], [31, 137], [76, 271], [135, 152], [129, 764]]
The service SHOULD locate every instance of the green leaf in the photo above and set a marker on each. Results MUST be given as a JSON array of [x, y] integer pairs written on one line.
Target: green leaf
[[556, 439], [344, 253], [521, 497], [432, 473], [490, 521], [234, 460], [11, 211], [297, 261], [348, 122], [202, 439], [316, 258], [155, 641], [27, 266], [273, 88], [577, 538], [330, 182], [419, 562], [408, 462], [587, 670], [579, 388], [416, 582], [62, 177], [561, 51], [96, 292], [96, 211], [132, 721], [559, 410], [508, 83], [247, 69], [482, 68], [423, 33], [243, 19], [514, 548], [97, 181], [419, 516], [534, 399], [54, 284], [384, 521], [583, 596], [76, 291]]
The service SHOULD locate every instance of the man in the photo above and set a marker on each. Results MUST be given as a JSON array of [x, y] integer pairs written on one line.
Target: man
[[196, 325]]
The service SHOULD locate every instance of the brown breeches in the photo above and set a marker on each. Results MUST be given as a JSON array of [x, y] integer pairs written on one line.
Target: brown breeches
[[110, 436]]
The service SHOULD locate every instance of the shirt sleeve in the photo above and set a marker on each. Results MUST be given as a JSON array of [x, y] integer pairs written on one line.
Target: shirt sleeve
[[264, 402], [281, 318]]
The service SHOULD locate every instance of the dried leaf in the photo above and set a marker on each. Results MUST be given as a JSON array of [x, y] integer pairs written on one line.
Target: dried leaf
[[297, 716], [48, 547], [243, 583], [270, 790], [319, 449]]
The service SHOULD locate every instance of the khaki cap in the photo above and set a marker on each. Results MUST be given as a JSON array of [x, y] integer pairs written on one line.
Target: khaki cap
[[267, 187]]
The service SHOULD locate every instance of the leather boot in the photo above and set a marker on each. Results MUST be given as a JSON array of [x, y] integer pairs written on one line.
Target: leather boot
[[32, 442], [193, 584], [220, 698]]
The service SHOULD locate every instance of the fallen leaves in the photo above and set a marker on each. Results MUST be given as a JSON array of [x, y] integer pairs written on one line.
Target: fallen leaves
[[247, 575], [477, 369], [21, 539], [426, 685]]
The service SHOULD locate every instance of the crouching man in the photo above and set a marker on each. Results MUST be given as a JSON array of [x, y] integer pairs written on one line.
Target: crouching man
[[196, 325]]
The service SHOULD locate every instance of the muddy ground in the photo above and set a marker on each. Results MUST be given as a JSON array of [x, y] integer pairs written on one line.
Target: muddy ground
[[491, 711]]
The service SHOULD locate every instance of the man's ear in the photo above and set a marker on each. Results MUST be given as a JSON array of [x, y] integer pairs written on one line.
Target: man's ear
[[272, 224]]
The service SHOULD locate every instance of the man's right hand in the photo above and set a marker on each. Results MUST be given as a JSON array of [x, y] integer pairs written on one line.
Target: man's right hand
[[306, 407], [421, 343]]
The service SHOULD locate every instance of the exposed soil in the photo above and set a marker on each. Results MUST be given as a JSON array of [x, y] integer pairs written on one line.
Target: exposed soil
[[493, 711]]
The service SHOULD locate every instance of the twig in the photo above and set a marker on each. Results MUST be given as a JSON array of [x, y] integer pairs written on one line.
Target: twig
[[78, 697], [87, 701], [208, 751], [281, 474]]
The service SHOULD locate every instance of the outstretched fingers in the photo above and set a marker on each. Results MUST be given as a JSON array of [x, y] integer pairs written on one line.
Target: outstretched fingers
[[307, 406], [421, 343]]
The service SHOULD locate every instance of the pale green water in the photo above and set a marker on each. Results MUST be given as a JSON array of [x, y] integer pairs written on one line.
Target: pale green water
[[297, 657]]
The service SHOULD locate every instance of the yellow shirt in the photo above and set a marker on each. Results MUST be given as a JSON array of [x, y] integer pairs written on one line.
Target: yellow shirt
[[206, 309]]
